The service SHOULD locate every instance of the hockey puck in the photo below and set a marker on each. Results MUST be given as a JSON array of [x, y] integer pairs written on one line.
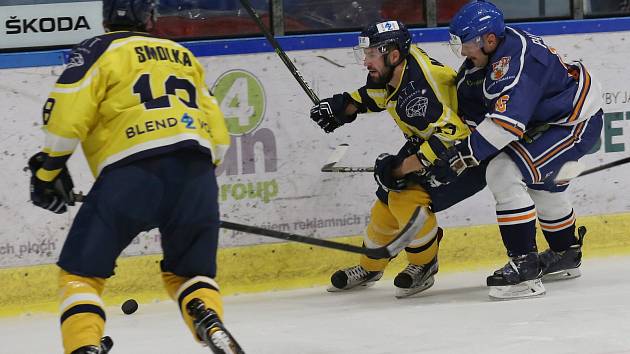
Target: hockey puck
[[130, 306]]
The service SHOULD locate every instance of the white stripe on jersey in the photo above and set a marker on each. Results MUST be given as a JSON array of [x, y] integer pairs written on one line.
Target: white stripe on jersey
[[87, 82], [511, 121], [495, 134], [59, 144]]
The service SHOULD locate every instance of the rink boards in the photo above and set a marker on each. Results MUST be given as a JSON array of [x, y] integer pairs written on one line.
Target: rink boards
[[271, 175]]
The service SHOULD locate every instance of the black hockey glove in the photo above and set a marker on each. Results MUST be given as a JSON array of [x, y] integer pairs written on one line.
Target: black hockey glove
[[383, 168], [330, 114], [54, 195]]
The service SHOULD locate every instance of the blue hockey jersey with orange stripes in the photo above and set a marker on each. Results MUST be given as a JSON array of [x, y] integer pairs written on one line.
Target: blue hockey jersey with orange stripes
[[526, 84]]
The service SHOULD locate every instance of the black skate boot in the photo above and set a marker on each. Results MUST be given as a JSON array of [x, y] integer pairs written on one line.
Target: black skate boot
[[565, 264], [106, 345], [520, 278], [346, 279], [415, 278], [210, 329]]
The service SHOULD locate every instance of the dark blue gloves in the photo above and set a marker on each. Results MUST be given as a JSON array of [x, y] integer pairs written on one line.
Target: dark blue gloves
[[383, 173], [330, 114], [54, 195]]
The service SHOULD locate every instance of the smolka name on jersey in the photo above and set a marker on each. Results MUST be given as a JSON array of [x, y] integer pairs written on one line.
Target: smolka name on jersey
[[147, 52]]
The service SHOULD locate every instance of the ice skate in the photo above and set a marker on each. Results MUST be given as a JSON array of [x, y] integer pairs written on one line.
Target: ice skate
[[349, 278], [415, 278], [106, 345], [565, 264], [520, 278], [210, 329]]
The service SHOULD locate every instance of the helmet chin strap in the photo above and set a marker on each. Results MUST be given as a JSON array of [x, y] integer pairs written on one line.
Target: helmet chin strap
[[388, 77]]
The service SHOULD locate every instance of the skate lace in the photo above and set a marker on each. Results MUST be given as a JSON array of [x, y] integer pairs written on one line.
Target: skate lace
[[222, 341], [356, 273], [414, 270]]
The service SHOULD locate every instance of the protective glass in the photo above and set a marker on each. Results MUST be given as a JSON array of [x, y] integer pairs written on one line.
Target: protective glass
[[461, 49]]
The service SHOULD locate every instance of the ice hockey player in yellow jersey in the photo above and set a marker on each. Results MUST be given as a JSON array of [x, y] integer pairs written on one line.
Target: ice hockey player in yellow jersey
[[152, 135], [420, 95]]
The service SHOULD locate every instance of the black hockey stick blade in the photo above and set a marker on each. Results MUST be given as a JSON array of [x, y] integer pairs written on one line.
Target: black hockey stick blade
[[401, 241], [348, 169]]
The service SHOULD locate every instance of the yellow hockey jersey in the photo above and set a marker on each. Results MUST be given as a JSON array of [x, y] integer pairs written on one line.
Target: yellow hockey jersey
[[126, 96], [423, 104]]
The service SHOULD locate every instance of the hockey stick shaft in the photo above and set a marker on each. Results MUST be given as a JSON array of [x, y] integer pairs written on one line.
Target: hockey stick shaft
[[293, 237], [347, 169], [283, 56], [584, 173], [605, 166], [390, 250]]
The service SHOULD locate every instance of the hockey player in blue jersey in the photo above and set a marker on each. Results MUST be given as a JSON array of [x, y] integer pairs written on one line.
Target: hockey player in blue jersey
[[541, 116]]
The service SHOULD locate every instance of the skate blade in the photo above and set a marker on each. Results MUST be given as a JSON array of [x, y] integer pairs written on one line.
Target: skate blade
[[526, 289], [402, 293], [333, 289], [562, 275], [221, 342]]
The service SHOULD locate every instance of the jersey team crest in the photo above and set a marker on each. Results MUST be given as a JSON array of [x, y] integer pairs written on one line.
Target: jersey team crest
[[417, 107], [500, 68]]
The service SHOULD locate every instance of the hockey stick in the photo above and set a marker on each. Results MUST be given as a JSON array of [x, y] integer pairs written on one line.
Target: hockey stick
[[336, 156], [406, 235], [285, 59], [575, 169], [401, 240], [623, 161]]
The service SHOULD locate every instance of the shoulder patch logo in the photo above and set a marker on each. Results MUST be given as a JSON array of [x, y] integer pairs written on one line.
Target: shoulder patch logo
[[75, 60], [500, 68], [501, 104], [417, 107]]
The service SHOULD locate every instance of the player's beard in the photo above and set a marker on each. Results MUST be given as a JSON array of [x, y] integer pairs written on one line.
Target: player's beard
[[384, 75]]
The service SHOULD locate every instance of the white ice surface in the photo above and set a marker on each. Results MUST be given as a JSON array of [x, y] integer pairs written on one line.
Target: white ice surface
[[590, 314]]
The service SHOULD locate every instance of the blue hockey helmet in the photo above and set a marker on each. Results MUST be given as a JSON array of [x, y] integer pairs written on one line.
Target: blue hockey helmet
[[382, 35], [128, 13], [476, 19]]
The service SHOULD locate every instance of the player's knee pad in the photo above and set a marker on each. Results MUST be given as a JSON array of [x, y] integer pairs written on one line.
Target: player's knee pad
[[505, 181], [551, 206], [425, 246], [556, 218], [81, 310], [382, 227], [199, 287]]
